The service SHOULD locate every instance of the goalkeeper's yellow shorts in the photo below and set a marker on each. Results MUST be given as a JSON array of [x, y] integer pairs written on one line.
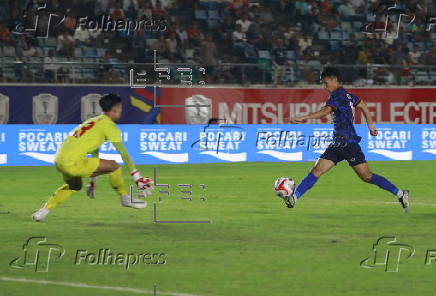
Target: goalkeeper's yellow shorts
[[76, 166]]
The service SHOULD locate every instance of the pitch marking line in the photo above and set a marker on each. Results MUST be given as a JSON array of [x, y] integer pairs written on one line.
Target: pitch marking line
[[82, 285], [343, 201]]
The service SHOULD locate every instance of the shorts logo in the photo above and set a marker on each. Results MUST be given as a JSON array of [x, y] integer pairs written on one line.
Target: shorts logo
[[201, 113], [90, 106], [45, 109], [4, 109]]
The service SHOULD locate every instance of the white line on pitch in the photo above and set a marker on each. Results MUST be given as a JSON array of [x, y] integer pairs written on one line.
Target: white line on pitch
[[82, 285], [343, 201]]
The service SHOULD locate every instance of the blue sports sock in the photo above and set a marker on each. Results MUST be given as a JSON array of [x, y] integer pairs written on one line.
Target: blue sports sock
[[305, 185], [384, 183]]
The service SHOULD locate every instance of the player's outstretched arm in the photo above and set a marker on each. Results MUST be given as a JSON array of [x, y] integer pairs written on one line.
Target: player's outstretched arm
[[144, 184], [326, 110], [364, 108]]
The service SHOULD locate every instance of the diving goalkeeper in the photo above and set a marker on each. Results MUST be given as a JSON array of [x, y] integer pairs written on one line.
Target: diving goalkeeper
[[71, 160]]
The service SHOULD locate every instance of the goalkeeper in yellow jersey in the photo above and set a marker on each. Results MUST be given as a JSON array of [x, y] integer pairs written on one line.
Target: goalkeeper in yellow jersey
[[72, 161]]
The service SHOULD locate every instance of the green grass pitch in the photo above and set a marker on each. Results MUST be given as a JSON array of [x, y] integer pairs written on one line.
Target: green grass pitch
[[254, 245]]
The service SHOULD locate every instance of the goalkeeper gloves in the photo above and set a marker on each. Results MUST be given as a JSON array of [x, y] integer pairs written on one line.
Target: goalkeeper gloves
[[144, 185]]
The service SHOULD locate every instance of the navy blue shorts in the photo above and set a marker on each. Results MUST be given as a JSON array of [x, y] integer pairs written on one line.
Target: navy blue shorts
[[350, 152]]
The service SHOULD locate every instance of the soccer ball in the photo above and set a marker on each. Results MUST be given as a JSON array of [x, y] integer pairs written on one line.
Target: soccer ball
[[284, 186]]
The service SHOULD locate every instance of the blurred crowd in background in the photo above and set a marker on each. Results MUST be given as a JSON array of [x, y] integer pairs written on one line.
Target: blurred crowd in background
[[237, 41]]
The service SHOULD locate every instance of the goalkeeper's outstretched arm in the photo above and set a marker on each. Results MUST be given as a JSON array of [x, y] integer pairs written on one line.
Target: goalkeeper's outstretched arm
[[125, 156], [144, 184]]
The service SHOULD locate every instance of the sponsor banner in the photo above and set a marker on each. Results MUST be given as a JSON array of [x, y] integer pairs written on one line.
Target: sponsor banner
[[274, 106], [162, 144], [73, 104], [35, 145]]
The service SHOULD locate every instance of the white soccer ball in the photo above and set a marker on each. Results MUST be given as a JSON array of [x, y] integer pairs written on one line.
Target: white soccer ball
[[284, 186]]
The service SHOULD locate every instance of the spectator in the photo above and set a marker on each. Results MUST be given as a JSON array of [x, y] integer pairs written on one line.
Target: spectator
[[304, 43], [430, 56], [83, 36], [279, 61], [161, 46], [237, 4], [346, 9], [69, 22], [5, 34], [117, 12], [253, 35], [209, 54], [194, 35], [358, 5], [326, 6], [101, 7], [127, 4], [145, 10], [362, 57], [266, 16], [415, 55], [182, 34], [238, 36], [244, 22], [406, 77], [66, 44], [172, 47], [158, 12]]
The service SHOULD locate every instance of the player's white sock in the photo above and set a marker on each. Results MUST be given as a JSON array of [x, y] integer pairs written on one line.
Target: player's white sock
[[400, 193], [40, 214]]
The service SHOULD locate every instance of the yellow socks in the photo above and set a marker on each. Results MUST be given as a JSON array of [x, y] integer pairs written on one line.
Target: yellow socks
[[117, 182], [59, 196]]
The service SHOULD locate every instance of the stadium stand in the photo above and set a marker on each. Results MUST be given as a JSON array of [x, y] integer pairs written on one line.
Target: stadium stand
[[236, 41]]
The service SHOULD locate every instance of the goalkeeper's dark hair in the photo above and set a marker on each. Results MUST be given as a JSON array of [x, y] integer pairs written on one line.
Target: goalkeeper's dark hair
[[331, 71], [107, 102]]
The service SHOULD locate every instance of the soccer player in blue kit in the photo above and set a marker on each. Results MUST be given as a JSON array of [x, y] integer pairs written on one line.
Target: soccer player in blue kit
[[345, 144]]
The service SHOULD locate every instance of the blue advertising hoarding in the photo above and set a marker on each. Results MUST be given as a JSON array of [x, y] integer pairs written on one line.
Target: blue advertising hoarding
[[36, 145]]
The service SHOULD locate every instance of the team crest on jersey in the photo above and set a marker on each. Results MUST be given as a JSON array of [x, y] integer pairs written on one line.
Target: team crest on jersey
[[4, 109], [45, 109], [90, 106], [199, 114]]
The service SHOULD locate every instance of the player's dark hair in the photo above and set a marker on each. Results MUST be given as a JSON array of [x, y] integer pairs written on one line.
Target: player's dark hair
[[330, 71], [107, 102]]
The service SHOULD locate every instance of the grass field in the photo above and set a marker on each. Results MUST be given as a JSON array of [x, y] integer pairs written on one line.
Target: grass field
[[254, 245]]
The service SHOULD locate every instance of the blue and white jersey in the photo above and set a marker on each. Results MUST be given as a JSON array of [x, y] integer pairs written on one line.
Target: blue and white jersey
[[343, 103]]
